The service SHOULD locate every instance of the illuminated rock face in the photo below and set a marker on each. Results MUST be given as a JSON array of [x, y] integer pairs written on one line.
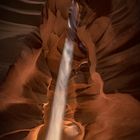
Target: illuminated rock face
[[111, 37]]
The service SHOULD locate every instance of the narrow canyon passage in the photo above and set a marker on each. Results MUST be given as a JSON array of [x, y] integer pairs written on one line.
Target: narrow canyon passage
[[104, 84]]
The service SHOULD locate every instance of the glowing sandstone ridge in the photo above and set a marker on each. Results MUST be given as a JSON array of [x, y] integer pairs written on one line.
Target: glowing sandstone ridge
[[104, 84]]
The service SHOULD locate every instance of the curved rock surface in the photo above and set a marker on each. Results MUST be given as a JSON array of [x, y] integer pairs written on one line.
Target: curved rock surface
[[103, 91]]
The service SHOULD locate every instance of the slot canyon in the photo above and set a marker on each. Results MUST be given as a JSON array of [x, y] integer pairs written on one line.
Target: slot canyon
[[103, 91]]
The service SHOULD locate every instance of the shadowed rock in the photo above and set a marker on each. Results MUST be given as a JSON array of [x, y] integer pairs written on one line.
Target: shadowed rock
[[96, 109]]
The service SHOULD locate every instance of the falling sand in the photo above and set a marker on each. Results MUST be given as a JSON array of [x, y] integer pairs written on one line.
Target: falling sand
[[59, 102], [60, 94]]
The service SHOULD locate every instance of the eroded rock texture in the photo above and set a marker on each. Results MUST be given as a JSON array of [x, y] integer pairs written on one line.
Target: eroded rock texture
[[103, 91]]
